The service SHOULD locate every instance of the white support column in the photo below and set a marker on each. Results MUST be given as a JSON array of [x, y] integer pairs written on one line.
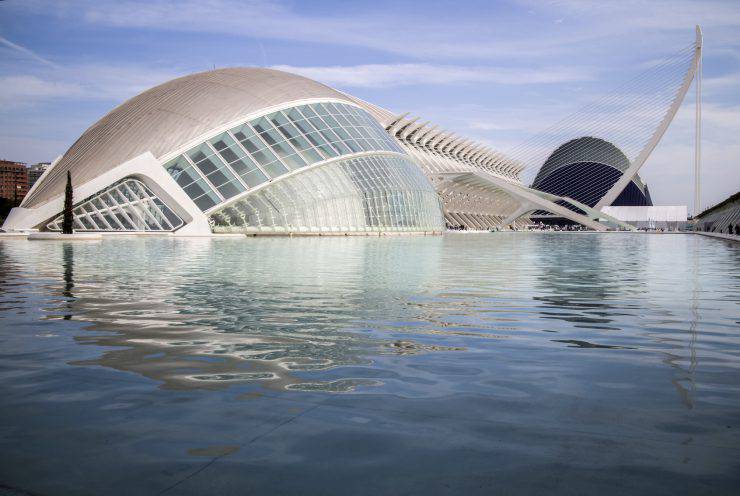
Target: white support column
[[524, 209], [697, 143]]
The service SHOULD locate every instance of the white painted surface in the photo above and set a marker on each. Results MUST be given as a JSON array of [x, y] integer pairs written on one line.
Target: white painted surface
[[662, 213]]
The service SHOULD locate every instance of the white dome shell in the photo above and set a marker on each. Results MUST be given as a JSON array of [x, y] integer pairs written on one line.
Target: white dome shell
[[170, 115]]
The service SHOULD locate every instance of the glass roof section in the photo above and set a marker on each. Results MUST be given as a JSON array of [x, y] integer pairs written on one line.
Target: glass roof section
[[275, 144]]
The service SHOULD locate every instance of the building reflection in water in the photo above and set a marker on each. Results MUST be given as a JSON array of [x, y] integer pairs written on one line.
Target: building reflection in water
[[578, 285], [313, 314], [289, 314], [68, 264], [596, 292], [684, 380]]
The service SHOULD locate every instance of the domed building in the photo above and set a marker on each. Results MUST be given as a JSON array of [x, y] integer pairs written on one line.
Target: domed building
[[584, 169], [244, 150]]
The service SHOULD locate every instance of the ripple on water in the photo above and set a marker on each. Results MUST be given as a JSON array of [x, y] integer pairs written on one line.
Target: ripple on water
[[441, 313]]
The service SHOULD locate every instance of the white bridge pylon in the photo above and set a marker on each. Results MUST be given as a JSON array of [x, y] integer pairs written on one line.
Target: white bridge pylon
[[630, 173], [634, 118]]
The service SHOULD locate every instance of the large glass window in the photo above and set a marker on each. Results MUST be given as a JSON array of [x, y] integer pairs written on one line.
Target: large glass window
[[272, 145], [370, 193], [238, 160], [215, 171], [259, 150]]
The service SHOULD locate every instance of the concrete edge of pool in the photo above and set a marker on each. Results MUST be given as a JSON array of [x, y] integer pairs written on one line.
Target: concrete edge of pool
[[99, 236]]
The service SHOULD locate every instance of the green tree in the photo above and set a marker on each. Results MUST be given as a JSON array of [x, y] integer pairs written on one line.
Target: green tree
[[68, 216]]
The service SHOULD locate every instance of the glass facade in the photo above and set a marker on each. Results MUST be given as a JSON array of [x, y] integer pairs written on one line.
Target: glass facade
[[127, 205], [370, 193], [272, 145]]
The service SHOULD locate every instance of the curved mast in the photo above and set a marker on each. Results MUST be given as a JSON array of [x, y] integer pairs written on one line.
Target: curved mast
[[627, 176]]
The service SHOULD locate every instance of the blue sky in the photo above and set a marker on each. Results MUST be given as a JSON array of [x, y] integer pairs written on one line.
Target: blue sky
[[494, 71]]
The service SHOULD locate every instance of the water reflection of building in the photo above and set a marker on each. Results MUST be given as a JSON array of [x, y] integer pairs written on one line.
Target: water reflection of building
[[259, 315], [599, 292], [578, 284]]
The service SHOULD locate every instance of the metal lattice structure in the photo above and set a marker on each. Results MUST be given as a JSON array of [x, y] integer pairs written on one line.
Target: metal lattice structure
[[125, 206]]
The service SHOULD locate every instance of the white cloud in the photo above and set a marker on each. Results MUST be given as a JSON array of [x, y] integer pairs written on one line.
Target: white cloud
[[388, 75], [655, 14], [669, 170], [80, 82], [456, 51], [25, 52], [22, 89], [427, 35]]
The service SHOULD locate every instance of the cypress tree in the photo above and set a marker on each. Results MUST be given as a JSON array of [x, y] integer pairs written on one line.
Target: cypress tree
[[68, 216]]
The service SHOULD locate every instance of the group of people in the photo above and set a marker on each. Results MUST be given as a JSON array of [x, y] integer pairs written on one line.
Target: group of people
[[541, 226]]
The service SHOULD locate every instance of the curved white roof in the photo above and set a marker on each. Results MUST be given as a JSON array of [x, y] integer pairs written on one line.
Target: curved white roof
[[170, 115]]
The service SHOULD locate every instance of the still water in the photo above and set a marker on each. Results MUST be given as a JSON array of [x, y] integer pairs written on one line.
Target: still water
[[515, 363]]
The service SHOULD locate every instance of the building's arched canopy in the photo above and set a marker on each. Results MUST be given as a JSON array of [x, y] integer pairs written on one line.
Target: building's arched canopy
[[237, 150], [168, 116]]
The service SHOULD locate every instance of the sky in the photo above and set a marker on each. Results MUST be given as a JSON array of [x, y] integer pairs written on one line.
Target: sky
[[495, 71]]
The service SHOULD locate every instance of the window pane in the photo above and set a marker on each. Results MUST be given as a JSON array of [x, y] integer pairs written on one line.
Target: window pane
[[230, 189], [185, 176], [249, 141], [204, 202], [221, 142], [311, 156], [319, 109], [275, 169], [318, 123], [294, 161], [254, 177], [321, 143], [307, 111], [111, 221], [217, 178], [278, 119], [107, 200], [208, 165], [124, 221], [197, 189], [87, 223], [117, 196], [254, 145], [199, 153]]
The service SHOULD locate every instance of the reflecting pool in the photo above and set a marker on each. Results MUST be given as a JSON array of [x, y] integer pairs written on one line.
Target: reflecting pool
[[515, 363]]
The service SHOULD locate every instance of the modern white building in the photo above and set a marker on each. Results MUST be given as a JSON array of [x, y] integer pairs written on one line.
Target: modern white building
[[261, 151], [723, 218], [236, 150]]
